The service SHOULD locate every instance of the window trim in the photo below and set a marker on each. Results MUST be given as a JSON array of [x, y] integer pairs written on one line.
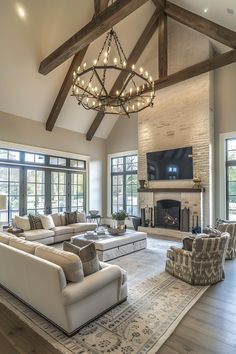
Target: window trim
[[222, 171], [109, 158]]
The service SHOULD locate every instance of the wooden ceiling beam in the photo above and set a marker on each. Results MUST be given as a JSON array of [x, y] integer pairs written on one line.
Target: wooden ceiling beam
[[133, 57], [66, 85], [195, 70], [201, 24], [94, 29], [162, 46]]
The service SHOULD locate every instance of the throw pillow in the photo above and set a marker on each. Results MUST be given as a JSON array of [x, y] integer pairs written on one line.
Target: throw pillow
[[47, 222], [81, 217], [22, 222], [56, 219], [70, 263], [87, 255], [188, 243], [211, 232], [71, 218], [35, 222]]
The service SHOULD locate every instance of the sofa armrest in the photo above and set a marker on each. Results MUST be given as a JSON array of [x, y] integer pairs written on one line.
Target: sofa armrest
[[181, 251], [74, 292]]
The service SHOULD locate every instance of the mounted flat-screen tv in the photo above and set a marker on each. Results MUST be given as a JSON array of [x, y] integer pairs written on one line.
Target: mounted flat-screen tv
[[170, 164]]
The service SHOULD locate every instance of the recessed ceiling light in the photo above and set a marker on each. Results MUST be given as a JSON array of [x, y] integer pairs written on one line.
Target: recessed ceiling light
[[21, 11], [205, 10]]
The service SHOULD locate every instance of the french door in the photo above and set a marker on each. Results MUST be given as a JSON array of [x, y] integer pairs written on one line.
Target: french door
[[35, 191]]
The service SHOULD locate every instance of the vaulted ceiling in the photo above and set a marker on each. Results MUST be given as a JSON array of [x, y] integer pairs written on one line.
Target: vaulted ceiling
[[26, 41]]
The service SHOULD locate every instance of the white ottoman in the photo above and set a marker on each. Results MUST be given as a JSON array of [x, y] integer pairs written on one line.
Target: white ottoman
[[109, 247]]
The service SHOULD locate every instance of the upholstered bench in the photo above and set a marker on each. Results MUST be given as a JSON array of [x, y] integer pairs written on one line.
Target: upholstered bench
[[109, 247]]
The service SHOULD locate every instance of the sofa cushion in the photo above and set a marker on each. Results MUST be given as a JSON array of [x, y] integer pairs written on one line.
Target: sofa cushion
[[70, 263], [81, 217], [71, 217], [5, 238], [35, 222], [22, 222], [23, 245], [83, 227], [56, 219], [47, 222], [62, 230], [63, 219], [34, 235], [87, 255]]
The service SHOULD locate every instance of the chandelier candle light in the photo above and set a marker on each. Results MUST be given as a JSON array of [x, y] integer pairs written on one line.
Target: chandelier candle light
[[92, 86]]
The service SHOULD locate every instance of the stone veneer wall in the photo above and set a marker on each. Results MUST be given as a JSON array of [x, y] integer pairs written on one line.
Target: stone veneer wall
[[181, 115]]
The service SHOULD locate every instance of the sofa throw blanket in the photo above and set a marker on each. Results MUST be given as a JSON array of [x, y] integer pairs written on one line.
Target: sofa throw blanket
[[35, 222]]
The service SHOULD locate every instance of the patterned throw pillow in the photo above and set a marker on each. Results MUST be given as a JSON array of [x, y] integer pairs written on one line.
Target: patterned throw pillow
[[188, 243], [71, 218], [211, 232], [87, 254], [35, 222]]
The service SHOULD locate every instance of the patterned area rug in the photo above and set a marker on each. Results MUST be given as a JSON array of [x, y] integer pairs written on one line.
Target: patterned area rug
[[141, 325]]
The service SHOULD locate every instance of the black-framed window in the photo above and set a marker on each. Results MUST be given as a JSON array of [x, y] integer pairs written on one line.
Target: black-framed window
[[231, 179], [124, 193], [37, 183]]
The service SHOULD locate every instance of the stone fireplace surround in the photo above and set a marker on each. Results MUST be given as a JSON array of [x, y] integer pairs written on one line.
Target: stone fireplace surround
[[190, 198]]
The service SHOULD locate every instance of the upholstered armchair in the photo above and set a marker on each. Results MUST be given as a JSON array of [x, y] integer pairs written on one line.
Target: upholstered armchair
[[203, 265], [229, 227]]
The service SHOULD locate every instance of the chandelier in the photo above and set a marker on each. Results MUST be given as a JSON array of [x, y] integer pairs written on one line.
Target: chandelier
[[94, 87]]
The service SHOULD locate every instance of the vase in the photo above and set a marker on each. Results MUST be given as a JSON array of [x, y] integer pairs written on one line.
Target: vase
[[142, 183], [120, 224]]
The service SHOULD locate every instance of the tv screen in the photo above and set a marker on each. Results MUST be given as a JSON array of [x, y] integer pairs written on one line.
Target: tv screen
[[170, 164]]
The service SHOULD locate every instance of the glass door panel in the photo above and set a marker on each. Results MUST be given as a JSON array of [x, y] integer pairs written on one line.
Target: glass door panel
[[10, 186], [77, 191], [35, 181], [58, 191]]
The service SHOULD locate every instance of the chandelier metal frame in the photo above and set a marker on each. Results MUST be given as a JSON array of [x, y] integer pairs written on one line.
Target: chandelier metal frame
[[128, 96]]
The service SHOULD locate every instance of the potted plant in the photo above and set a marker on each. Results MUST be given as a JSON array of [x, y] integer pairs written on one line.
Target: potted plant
[[120, 216]]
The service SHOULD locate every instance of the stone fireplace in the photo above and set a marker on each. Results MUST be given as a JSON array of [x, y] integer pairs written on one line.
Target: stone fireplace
[[167, 214]]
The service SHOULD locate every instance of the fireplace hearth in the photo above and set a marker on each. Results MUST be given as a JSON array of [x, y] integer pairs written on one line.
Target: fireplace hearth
[[167, 214]]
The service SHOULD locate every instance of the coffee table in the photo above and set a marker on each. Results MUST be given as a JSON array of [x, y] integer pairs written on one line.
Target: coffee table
[[110, 247]]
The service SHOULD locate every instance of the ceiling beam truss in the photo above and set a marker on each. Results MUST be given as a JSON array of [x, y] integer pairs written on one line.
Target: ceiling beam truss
[[94, 29], [201, 24], [162, 46], [99, 5]]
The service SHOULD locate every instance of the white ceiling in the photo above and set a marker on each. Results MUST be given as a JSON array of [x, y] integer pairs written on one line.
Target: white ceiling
[[48, 23]]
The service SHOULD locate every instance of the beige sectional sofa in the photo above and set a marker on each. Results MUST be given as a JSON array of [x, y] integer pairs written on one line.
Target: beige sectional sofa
[[68, 304], [59, 232]]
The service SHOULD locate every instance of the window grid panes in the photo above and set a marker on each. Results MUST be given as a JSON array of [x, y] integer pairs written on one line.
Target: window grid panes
[[58, 192], [9, 155], [124, 193], [57, 161], [77, 192], [35, 191], [10, 186], [231, 179]]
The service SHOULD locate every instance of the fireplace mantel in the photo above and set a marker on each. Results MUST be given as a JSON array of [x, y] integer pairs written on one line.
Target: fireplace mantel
[[171, 190]]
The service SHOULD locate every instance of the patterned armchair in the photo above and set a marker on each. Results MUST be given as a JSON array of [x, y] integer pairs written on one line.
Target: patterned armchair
[[229, 227], [203, 265]]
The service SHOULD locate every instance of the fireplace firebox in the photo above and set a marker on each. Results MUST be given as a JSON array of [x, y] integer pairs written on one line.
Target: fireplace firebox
[[167, 214]]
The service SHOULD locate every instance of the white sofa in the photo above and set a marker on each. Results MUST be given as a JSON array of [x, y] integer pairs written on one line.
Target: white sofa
[[43, 286], [60, 232]]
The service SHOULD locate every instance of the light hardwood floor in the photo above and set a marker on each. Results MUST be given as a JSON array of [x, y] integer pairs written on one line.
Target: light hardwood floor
[[208, 328]]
